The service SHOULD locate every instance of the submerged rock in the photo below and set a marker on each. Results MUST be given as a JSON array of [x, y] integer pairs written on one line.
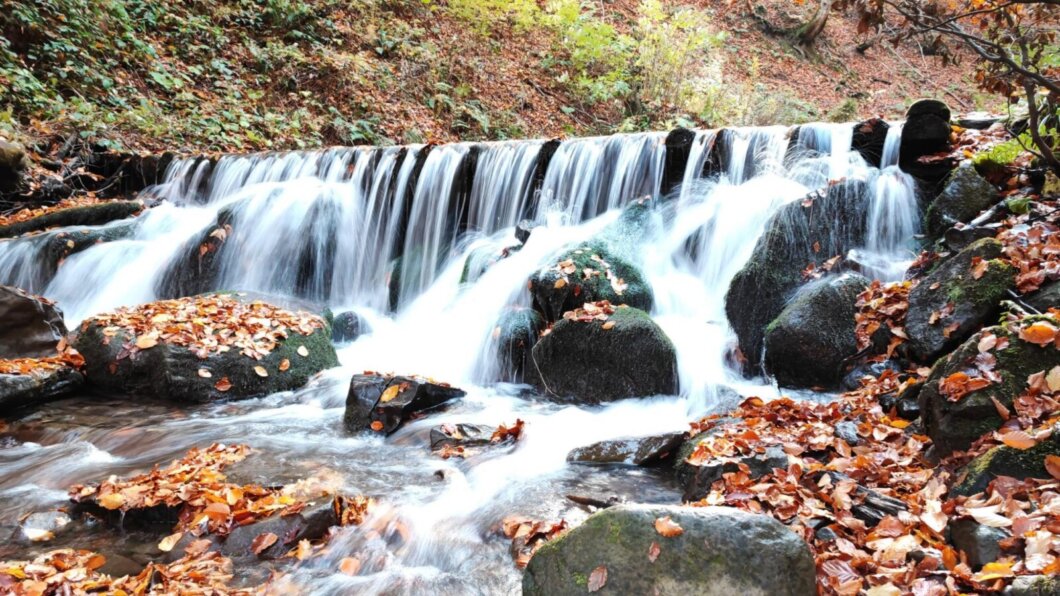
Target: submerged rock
[[460, 435], [811, 231], [186, 366], [965, 195], [383, 403], [719, 551], [86, 215], [626, 355], [951, 303], [516, 333], [954, 424], [347, 327], [29, 325], [808, 343], [643, 451]]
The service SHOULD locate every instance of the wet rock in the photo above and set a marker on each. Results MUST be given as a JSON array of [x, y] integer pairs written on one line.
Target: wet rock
[[907, 409], [1045, 298], [172, 372], [853, 379], [965, 195], [88, 215], [1005, 461], [311, 524], [814, 230], [43, 525], [977, 120], [869, 138], [19, 392], [696, 478], [644, 451], [460, 435], [585, 362], [481, 259], [29, 325], [954, 425], [347, 327], [1034, 585], [926, 130], [588, 272], [721, 551], [950, 303], [53, 248], [523, 230], [808, 343], [382, 403], [13, 162], [977, 541], [516, 333], [196, 266], [960, 238]]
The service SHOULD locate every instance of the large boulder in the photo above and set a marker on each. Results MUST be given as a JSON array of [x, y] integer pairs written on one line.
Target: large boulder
[[869, 138], [382, 403], [926, 130], [204, 348], [953, 416], [516, 333], [28, 382], [13, 163], [602, 356], [807, 232], [965, 196], [720, 551], [808, 343], [83, 215], [641, 451], [29, 325], [957, 298]]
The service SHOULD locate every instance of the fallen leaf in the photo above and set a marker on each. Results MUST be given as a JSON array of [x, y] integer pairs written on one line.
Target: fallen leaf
[[198, 547], [1053, 379], [145, 342], [667, 527], [263, 542], [597, 579], [112, 501], [1052, 465], [560, 283], [1040, 333], [988, 516], [223, 385], [261, 372], [284, 365], [653, 551], [303, 351], [350, 565], [170, 541], [608, 325], [390, 393], [377, 425], [205, 373], [1017, 439]]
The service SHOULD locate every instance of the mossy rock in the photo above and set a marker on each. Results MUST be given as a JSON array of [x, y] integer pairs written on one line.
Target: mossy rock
[[804, 232], [13, 162], [975, 301], [721, 551], [555, 292], [965, 195], [1048, 296], [955, 425], [1006, 461], [807, 345], [88, 215], [516, 333], [584, 362], [172, 372]]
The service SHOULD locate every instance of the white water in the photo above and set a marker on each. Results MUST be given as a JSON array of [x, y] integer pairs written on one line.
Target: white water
[[366, 207]]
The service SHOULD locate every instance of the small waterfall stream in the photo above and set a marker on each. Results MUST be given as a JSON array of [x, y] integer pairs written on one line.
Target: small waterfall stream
[[330, 225]]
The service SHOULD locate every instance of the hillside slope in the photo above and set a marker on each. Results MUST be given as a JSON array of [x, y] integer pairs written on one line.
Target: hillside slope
[[213, 75]]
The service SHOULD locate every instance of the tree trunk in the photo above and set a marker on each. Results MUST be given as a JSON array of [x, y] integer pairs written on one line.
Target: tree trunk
[[808, 32]]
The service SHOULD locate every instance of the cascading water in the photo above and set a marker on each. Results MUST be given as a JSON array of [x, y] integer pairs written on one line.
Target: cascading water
[[330, 225]]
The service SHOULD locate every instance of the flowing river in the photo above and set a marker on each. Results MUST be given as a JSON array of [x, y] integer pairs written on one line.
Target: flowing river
[[357, 210]]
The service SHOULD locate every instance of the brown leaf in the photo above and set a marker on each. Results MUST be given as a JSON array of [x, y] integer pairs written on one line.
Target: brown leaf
[[350, 565], [667, 527], [1052, 465], [223, 385], [597, 579], [145, 342], [170, 541], [560, 283], [284, 365], [607, 325], [260, 371], [198, 547], [263, 542], [653, 551], [1017, 439]]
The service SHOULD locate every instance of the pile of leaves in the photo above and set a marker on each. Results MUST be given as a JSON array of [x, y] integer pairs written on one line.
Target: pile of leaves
[[69, 358], [873, 511], [1032, 245], [208, 324], [882, 305], [593, 311], [567, 270], [67, 571], [195, 486], [32, 213], [528, 535]]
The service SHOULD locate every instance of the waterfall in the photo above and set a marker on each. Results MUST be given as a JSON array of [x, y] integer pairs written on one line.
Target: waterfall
[[891, 145]]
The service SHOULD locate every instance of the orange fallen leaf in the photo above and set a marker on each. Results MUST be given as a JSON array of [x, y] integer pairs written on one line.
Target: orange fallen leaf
[[1040, 333], [170, 541], [560, 283], [377, 425], [350, 565], [223, 385], [112, 501], [145, 342], [263, 542], [1017, 439], [284, 365], [668, 528], [607, 325], [198, 547], [390, 393], [1052, 465]]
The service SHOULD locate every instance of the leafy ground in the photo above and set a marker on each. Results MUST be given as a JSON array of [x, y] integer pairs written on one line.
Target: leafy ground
[[257, 74]]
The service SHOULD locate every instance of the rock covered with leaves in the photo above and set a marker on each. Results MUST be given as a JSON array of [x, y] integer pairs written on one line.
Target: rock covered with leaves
[[957, 298], [808, 343], [78, 211], [27, 382], [204, 348], [601, 353], [657, 549], [588, 273], [973, 390]]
